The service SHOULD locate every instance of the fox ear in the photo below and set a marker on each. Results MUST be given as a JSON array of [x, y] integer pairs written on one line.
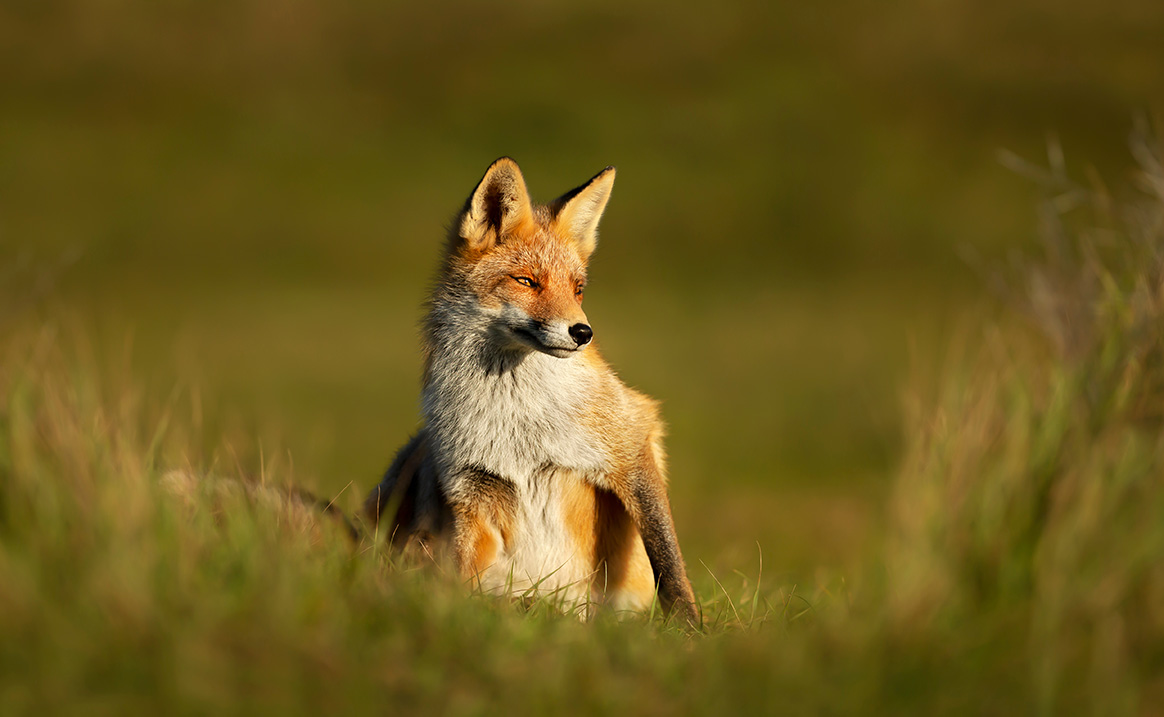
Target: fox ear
[[498, 205], [576, 213]]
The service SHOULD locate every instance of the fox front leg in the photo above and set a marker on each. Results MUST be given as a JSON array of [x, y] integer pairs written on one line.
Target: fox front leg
[[643, 491], [484, 508]]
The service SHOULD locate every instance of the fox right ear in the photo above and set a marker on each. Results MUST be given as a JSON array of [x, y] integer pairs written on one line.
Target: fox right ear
[[576, 213], [498, 205]]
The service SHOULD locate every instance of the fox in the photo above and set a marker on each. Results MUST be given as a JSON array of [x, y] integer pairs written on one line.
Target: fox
[[535, 466]]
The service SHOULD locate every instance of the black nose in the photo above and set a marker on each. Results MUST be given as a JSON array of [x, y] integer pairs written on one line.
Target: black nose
[[581, 334]]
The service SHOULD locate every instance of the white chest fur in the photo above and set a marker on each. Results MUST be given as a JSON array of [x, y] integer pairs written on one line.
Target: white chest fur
[[510, 414], [542, 554]]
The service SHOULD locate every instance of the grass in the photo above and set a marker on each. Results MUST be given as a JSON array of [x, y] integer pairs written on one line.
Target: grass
[[1036, 490], [1022, 572]]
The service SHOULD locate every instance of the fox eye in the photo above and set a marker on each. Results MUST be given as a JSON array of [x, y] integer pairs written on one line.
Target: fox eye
[[526, 281], [578, 290]]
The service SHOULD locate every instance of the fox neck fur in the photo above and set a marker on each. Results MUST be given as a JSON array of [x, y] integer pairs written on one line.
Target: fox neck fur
[[510, 411]]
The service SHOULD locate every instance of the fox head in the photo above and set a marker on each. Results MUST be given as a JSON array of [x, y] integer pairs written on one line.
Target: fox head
[[517, 270]]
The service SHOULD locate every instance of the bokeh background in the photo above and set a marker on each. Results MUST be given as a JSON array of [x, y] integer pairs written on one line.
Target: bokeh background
[[245, 200]]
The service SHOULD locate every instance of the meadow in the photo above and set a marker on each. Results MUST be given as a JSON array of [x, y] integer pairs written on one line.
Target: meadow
[[913, 391]]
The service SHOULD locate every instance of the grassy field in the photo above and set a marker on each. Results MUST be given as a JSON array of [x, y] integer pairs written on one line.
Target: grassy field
[[217, 221], [1022, 569]]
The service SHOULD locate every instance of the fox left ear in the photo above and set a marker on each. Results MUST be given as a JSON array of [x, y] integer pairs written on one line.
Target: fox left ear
[[576, 213], [499, 205]]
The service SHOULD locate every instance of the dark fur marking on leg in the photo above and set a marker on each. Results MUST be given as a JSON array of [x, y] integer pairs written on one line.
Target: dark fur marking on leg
[[658, 534], [479, 485]]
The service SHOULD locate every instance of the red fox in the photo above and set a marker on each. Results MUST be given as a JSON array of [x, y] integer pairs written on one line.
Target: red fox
[[536, 465]]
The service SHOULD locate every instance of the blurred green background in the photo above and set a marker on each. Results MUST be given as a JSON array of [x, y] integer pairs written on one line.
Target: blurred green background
[[250, 195]]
